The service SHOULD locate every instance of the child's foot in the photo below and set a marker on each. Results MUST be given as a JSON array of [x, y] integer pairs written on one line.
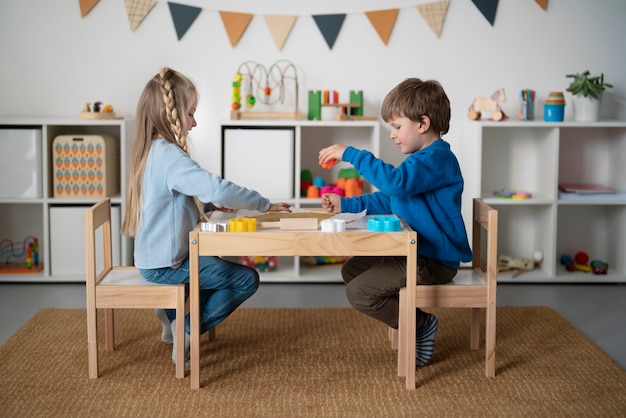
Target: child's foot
[[425, 341], [166, 332], [187, 345]]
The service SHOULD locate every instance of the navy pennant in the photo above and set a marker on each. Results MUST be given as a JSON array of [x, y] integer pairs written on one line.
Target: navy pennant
[[183, 17], [330, 25]]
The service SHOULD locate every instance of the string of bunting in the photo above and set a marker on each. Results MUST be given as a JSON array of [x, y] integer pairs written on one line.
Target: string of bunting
[[280, 25]]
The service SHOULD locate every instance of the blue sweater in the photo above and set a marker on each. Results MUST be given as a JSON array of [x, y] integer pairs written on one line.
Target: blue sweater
[[425, 191], [168, 213]]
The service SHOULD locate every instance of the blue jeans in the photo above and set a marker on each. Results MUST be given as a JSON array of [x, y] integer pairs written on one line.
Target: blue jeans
[[223, 287]]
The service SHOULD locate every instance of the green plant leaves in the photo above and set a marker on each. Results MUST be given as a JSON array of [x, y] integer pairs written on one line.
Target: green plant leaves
[[587, 85]]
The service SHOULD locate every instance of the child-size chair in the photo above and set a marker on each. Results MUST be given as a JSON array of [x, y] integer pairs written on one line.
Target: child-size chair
[[111, 288], [473, 288]]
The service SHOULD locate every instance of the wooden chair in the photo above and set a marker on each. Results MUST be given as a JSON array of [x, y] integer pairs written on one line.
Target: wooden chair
[[473, 288], [111, 288]]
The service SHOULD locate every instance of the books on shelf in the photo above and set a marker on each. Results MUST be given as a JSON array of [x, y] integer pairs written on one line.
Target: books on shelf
[[585, 188], [585, 191]]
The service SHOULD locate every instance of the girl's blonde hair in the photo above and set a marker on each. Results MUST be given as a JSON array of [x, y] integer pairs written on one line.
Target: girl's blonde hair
[[161, 111]]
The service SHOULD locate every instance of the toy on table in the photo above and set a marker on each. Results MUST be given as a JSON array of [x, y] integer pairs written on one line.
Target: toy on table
[[488, 104], [20, 258], [519, 265], [349, 111], [348, 184], [265, 86], [580, 262]]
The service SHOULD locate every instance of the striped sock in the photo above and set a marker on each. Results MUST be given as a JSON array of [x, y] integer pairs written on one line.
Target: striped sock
[[425, 341]]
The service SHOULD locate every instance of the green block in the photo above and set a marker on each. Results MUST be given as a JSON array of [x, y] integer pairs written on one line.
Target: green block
[[356, 97], [315, 105]]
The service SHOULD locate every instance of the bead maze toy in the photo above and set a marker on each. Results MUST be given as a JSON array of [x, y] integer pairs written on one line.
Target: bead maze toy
[[488, 104], [349, 111], [265, 86], [20, 258]]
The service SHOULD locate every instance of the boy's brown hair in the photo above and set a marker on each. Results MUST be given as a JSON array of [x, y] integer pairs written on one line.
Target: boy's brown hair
[[414, 98]]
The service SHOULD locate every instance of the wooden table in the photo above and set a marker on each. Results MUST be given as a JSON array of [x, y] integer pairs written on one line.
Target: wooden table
[[274, 242]]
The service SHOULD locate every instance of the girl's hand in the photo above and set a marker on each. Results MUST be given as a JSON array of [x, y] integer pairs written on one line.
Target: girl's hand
[[334, 152], [331, 202], [280, 207]]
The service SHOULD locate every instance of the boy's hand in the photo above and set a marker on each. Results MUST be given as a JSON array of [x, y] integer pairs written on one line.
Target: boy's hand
[[280, 207], [331, 202], [328, 154]]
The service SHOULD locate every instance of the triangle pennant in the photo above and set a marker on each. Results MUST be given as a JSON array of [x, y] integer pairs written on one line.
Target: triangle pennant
[[235, 25], [86, 6], [383, 21], [434, 14], [280, 27], [137, 10], [488, 8], [542, 3], [183, 17], [330, 25]]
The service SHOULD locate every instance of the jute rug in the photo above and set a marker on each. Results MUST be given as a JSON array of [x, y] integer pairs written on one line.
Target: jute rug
[[308, 362]]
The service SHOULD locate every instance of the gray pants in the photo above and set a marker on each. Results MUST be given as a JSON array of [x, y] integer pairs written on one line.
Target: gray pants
[[373, 284]]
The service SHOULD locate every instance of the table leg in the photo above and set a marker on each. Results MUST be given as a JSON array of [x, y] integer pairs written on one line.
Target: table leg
[[194, 308], [410, 318]]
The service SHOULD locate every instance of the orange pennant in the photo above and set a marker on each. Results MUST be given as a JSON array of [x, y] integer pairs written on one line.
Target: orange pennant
[[434, 13], [542, 3], [86, 6], [279, 26], [137, 10], [235, 25], [383, 21]]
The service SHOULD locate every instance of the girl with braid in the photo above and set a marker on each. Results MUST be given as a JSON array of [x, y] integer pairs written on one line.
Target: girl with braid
[[167, 194]]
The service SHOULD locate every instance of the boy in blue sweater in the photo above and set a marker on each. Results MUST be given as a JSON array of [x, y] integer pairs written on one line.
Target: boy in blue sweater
[[425, 191]]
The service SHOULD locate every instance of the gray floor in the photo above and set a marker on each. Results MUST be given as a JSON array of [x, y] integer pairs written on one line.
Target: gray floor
[[599, 311]]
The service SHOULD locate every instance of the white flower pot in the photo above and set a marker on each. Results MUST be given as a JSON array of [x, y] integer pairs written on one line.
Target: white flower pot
[[586, 109]]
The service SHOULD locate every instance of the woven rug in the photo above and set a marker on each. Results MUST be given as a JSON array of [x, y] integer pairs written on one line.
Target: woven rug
[[327, 362]]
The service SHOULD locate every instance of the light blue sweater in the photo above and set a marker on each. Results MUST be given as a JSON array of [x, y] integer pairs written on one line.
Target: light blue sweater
[[170, 180], [425, 191]]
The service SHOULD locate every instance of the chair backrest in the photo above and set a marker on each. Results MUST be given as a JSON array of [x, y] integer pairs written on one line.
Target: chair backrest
[[97, 216], [485, 240]]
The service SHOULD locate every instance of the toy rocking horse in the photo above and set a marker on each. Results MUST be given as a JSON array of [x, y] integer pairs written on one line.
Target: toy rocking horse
[[488, 104]]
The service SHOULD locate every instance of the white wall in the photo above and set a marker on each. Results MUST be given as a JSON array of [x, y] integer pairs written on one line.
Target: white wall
[[52, 60]]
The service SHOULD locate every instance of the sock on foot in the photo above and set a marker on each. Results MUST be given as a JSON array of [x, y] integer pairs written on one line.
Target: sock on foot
[[166, 331], [425, 341], [187, 345]]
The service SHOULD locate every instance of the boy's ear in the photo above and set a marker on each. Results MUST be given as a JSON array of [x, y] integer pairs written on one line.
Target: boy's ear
[[424, 124]]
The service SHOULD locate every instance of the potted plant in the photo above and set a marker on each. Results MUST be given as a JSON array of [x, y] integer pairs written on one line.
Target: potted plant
[[586, 94]]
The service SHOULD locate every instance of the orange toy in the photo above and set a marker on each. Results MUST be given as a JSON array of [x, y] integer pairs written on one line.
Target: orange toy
[[328, 164]]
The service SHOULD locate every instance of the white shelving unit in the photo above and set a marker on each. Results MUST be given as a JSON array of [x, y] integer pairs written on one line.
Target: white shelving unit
[[535, 157], [59, 220], [308, 138]]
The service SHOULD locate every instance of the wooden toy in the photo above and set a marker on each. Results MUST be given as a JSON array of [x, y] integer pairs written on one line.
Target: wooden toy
[[266, 86], [18, 258], [488, 104], [97, 112], [349, 111]]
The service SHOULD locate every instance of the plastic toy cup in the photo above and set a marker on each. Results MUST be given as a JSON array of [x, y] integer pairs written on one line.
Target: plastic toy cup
[[554, 107], [553, 112], [242, 225]]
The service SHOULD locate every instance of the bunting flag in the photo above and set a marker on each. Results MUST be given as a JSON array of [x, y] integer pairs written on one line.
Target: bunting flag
[[137, 10], [330, 25], [383, 21], [280, 27], [183, 17], [235, 25], [86, 6], [542, 3], [488, 8], [434, 14]]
